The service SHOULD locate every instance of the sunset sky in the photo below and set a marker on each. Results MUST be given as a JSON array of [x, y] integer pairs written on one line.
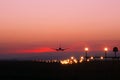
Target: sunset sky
[[30, 26]]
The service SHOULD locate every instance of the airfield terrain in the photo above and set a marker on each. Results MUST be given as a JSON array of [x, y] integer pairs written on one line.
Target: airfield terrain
[[27, 70]]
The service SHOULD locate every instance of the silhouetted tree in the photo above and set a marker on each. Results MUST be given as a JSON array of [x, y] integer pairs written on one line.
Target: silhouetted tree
[[115, 50]]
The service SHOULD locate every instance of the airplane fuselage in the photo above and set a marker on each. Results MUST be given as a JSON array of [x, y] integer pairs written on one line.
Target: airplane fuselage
[[60, 49]]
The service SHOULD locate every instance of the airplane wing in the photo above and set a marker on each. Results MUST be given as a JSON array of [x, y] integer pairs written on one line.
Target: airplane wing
[[64, 49], [55, 49]]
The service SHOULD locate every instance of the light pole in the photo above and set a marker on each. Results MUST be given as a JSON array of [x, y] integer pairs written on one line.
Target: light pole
[[115, 50], [86, 51], [106, 50]]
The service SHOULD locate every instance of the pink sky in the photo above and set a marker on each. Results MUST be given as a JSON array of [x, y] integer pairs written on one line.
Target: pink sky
[[43, 23]]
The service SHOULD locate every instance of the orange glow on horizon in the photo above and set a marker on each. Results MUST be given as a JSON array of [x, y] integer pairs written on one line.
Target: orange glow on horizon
[[37, 50]]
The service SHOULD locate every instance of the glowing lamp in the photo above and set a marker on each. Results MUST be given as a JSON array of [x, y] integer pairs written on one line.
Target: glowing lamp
[[86, 49], [81, 61], [82, 57], [106, 49], [101, 57], [72, 57], [91, 57], [88, 60]]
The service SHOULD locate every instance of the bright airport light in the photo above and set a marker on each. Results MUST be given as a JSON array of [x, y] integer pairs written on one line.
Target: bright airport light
[[86, 49], [101, 57], [91, 57], [106, 49], [72, 57]]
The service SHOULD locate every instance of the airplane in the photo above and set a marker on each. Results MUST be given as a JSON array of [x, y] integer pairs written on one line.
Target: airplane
[[61, 49]]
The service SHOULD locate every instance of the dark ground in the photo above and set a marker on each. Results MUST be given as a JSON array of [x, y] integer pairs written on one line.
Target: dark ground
[[27, 70]]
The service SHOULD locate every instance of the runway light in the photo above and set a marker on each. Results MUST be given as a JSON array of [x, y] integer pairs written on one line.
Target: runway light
[[68, 60], [82, 57], [101, 57], [72, 60], [75, 60], [81, 61], [88, 60], [91, 57], [72, 57], [64, 62]]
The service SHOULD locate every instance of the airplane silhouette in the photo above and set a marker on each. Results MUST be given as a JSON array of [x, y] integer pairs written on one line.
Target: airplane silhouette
[[61, 49]]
